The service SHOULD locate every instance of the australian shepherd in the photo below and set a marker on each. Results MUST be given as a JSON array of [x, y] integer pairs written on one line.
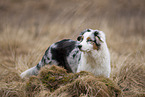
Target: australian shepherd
[[89, 53]]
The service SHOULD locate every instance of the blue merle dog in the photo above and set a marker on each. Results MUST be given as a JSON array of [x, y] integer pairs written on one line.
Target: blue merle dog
[[89, 53]]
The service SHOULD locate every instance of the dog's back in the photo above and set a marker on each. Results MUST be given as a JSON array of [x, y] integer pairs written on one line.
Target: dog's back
[[63, 53]]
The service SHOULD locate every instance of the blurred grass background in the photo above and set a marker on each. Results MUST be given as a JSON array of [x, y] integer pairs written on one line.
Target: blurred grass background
[[28, 27]]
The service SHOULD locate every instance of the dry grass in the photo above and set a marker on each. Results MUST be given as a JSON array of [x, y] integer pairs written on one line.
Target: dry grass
[[27, 28], [56, 81]]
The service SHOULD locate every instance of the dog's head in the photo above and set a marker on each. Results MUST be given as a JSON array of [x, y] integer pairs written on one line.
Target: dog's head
[[91, 40]]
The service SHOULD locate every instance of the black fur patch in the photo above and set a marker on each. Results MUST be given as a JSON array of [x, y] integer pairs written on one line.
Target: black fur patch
[[96, 33], [38, 66], [61, 52], [79, 38]]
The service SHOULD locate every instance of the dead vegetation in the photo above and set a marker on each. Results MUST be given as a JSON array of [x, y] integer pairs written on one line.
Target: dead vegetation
[[56, 82], [27, 28]]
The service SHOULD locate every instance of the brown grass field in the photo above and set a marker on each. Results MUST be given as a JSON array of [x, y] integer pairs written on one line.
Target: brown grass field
[[28, 27]]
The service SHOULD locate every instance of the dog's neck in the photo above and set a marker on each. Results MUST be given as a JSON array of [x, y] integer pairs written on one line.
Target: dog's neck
[[93, 57], [90, 57]]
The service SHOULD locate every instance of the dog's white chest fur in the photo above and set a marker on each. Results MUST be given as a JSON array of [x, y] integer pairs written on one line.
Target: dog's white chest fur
[[97, 62]]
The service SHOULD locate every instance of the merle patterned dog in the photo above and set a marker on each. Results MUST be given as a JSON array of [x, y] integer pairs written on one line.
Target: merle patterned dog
[[90, 53]]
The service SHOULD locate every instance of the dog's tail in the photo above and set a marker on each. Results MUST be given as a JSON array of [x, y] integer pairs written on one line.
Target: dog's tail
[[29, 72], [34, 70]]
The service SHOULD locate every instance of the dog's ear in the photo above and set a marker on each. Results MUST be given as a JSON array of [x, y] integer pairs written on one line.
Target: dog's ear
[[79, 38], [96, 34], [87, 30]]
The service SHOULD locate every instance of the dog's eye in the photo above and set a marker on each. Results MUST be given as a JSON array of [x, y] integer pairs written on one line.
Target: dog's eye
[[89, 40], [80, 38]]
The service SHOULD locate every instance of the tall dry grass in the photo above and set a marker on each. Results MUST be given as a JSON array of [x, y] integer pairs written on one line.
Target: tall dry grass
[[27, 28]]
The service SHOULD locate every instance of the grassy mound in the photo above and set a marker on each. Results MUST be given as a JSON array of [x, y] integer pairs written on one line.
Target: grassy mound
[[54, 77], [55, 81], [89, 86]]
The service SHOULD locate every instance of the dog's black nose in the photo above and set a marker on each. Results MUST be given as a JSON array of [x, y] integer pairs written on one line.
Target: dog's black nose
[[79, 46]]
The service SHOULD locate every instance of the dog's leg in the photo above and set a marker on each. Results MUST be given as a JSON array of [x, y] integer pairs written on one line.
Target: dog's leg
[[67, 67], [34, 70]]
